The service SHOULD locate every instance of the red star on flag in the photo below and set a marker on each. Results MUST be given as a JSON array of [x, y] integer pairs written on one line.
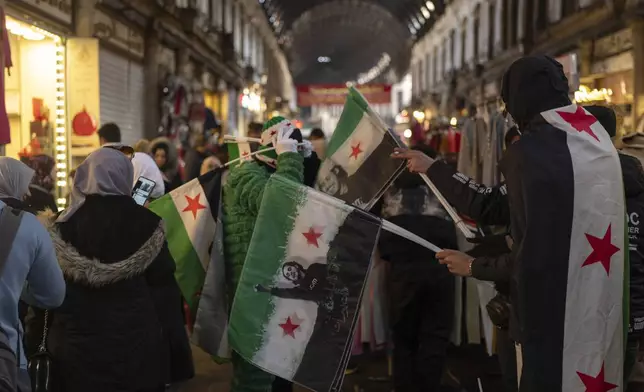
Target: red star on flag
[[596, 384], [312, 237], [289, 328], [355, 151], [603, 250], [193, 205], [245, 154], [580, 120]]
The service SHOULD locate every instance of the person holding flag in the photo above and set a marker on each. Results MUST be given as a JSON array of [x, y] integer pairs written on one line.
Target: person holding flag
[[243, 194], [567, 214]]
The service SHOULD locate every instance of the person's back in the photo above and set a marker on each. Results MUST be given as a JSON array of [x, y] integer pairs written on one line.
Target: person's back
[[32, 264]]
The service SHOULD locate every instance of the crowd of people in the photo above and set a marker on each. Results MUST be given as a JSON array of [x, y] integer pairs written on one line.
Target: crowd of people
[[90, 290]]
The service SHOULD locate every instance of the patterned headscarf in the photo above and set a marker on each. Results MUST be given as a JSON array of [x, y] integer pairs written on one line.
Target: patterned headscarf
[[43, 166]]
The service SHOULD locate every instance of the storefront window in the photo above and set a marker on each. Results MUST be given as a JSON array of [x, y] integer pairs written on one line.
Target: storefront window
[[35, 96]]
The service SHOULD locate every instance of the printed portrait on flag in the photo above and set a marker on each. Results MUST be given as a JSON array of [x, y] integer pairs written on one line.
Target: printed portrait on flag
[[358, 168], [302, 284]]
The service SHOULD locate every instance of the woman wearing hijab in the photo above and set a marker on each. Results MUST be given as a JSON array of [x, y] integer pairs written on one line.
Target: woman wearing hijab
[[167, 160], [15, 178], [120, 327], [144, 166], [42, 185]]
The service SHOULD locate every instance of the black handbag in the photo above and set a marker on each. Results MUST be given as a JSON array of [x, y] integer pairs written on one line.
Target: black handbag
[[499, 310], [41, 364]]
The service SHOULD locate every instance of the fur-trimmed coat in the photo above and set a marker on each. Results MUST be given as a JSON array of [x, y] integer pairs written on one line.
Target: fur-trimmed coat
[[120, 327]]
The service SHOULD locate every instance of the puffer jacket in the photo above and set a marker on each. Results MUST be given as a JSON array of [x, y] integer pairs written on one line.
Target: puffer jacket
[[633, 176]]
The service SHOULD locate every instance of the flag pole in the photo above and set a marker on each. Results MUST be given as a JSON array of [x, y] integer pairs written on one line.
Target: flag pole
[[458, 221], [242, 139], [254, 153]]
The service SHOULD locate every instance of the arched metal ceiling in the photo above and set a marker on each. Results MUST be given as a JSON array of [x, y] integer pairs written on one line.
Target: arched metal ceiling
[[353, 34]]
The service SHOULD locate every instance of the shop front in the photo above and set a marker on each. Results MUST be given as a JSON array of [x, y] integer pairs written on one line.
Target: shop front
[[122, 83], [35, 84], [253, 105], [610, 81]]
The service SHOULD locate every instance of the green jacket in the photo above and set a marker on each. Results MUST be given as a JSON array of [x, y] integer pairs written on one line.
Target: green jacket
[[243, 195]]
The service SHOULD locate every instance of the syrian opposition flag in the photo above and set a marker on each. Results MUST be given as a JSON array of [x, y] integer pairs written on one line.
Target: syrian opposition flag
[[190, 213], [296, 304], [239, 150], [358, 168], [572, 256]]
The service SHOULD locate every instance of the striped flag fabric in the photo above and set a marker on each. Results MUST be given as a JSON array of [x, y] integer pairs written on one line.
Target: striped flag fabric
[[358, 168], [296, 304], [190, 213], [238, 150], [571, 262]]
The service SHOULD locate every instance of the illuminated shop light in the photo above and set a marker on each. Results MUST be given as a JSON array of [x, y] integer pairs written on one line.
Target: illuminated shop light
[[425, 12], [421, 18], [324, 59], [61, 120], [430, 6], [453, 122], [407, 133], [585, 94], [419, 116], [28, 32]]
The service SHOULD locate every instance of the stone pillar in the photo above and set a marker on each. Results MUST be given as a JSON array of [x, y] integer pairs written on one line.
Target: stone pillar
[[85, 17], [637, 27], [152, 80]]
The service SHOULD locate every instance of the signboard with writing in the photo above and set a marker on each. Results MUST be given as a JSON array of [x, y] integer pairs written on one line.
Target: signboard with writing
[[60, 10], [335, 94], [118, 34], [83, 93]]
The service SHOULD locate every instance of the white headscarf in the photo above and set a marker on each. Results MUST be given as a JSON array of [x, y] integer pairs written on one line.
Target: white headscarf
[[105, 172], [144, 166], [15, 178]]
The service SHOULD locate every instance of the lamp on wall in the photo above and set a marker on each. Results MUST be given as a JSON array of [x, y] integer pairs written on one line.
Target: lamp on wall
[[28, 32], [61, 142]]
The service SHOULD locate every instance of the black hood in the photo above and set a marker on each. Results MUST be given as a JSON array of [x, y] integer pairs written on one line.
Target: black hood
[[533, 85], [632, 175]]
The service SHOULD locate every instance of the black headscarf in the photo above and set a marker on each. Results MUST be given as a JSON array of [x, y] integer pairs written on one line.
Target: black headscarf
[[532, 85], [606, 117]]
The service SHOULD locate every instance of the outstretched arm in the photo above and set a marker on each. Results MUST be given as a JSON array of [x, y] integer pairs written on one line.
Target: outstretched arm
[[249, 180]]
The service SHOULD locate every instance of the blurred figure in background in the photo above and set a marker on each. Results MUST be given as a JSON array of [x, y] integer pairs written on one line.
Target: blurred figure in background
[[254, 131], [142, 145], [109, 134], [145, 166], [195, 156], [42, 185], [318, 139], [167, 159]]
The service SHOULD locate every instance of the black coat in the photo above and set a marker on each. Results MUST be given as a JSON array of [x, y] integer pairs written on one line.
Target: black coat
[[633, 176], [120, 327]]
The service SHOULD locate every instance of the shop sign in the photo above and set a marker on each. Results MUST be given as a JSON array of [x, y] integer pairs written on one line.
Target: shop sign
[[118, 34], [613, 44], [60, 10], [336, 94]]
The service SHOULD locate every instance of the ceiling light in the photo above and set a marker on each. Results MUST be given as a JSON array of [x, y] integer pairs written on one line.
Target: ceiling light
[[324, 59], [416, 24], [261, 1], [420, 18], [430, 6], [425, 12]]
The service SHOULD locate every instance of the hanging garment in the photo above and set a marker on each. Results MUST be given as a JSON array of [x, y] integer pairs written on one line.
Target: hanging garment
[[5, 132], [469, 153]]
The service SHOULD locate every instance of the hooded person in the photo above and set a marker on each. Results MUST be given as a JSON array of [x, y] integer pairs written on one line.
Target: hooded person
[[567, 215], [120, 327], [166, 157], [15, 178], [145, 166], [242, 199]]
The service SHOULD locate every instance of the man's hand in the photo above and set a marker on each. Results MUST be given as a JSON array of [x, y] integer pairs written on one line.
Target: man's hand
[[458, 263], [261, 289], [417, 161]]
